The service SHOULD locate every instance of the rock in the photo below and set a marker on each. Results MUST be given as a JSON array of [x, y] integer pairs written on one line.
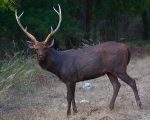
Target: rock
[[87, 86], [84, 101]]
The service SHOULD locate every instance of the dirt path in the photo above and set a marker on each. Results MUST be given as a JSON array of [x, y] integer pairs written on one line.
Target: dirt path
[[49, 101]]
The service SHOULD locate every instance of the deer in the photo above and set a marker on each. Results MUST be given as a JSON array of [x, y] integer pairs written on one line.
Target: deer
[[76, 65]]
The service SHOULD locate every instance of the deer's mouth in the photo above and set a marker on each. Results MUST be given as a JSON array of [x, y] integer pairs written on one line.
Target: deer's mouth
[[41, 57]]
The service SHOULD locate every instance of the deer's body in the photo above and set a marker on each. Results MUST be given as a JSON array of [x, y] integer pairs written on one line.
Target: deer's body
[[73, 66], [84, 64]]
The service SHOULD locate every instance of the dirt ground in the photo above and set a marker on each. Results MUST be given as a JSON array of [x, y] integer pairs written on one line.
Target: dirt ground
[[49, 100]]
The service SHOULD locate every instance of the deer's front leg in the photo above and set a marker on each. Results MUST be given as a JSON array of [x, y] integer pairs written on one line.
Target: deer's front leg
[[73, 100], [70, 96]]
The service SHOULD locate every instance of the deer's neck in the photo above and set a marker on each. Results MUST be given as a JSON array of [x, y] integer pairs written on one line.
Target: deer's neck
[[52, 62]]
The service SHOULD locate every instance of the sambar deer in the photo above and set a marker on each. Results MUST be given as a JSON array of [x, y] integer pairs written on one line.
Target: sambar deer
[[72, 66]]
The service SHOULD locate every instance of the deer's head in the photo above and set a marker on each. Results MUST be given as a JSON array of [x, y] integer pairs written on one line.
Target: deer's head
[[40, 47]]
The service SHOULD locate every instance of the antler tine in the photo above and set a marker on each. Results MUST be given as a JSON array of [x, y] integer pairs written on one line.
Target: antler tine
[[59, 23], [56, 10], [20, 15], [26, 28], [32, 38], [60, 18], [51, 29]]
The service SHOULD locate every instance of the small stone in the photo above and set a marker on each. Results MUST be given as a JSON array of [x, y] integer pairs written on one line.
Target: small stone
[[84, 101], [87, 86]]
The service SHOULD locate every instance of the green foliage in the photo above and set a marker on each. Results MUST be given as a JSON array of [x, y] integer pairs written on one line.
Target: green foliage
[[134, 7], [39, 16], [7, 23], [8, 4], [139, 44], [39, 19], [147, 47]]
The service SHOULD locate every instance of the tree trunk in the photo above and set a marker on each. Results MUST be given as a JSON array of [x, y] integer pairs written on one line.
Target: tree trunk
[[145, 25], [86, 18]]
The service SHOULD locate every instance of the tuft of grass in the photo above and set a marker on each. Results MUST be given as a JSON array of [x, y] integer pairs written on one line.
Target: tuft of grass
[[17, 73], [139, 44], [133, 44], [147, 47]]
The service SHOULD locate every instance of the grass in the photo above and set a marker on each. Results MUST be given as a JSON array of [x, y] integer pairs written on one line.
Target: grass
[[30, 93], [16, 73], [21, 73], [19, 77], [147, 47], [140, 44]]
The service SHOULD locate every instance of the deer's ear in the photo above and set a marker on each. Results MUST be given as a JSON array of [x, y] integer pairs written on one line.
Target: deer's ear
[[50, 43], [30, 44]]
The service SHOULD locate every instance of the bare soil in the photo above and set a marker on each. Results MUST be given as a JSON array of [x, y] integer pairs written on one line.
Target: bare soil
[[48, 101]]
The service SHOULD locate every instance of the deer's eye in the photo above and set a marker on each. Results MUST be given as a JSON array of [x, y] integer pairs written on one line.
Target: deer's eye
[[36, 49], [45, 48]]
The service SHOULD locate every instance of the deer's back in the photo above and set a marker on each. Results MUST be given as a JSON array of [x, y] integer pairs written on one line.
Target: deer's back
[[92, 62]]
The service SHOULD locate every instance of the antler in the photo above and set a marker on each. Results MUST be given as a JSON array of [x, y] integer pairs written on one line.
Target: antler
[[32, 38], [56, 29]]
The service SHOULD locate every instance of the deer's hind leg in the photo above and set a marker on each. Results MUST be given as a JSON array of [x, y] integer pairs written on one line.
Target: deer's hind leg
[[116, 86], [131, 82]]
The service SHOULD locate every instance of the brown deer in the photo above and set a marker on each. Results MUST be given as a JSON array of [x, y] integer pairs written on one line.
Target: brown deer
[[73, 66]]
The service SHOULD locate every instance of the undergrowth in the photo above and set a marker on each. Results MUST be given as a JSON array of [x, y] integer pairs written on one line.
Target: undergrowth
[[139, 44], [17, 73]]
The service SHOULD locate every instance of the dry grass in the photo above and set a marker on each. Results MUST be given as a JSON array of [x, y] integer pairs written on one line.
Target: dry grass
[[45, 99]]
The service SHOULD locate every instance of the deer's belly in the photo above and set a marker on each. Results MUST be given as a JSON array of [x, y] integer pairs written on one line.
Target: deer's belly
[[87, 75], [91, 77]]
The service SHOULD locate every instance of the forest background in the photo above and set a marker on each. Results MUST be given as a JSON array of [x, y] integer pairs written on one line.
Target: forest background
[[85, 22]]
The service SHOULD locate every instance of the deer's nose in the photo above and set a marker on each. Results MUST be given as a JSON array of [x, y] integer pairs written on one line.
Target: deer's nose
[[41, 56]]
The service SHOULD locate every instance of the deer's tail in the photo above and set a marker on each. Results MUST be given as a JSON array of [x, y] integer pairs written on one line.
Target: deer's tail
[[129, 56]]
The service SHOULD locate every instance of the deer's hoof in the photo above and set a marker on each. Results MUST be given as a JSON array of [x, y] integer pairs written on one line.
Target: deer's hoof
[[111, 107], [139, 104], [68, 114], [75, 111]]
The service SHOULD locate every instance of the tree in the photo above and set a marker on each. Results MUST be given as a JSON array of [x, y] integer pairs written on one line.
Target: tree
[[7, 4], [138, 7], [86, 17], [146, 25]]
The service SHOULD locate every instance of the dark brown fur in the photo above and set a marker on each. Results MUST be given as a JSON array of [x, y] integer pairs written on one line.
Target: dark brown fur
[[73, 66]]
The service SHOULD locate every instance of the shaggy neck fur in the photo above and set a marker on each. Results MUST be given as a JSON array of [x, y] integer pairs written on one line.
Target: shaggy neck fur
[[52, 61]]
